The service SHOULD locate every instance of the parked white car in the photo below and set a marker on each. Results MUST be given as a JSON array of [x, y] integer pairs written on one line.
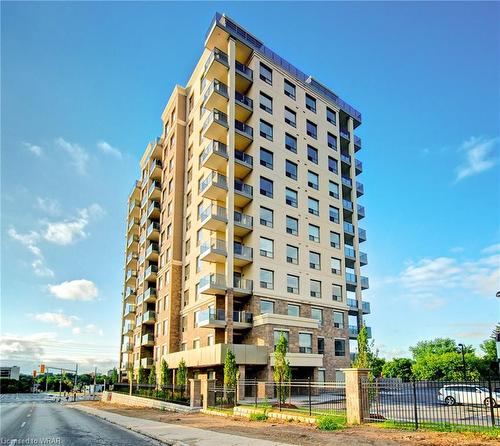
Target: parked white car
[[467, 394]]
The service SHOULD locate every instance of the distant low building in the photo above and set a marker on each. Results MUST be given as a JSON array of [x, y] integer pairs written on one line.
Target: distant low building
[[10, 372]]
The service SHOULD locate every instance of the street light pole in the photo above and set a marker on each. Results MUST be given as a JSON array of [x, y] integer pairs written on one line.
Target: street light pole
[[462, 348]]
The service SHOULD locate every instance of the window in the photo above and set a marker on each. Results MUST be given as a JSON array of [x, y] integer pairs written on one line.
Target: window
[[339, 347], [317, 314], [292, 284], [266, 158], [290, 143], [314, 233], [314, 260], [266, 130], [312, 129], [266, 278], [266, 247], [196, 343], [333, 189], [293, 310], [210, 340], [290, 169], [313, 180], [305, 343], [277, 336], [266, 306], [312, 154], [334, 240], [266, 74], [321, 351], [266, 187], [315, 288], [266, 217], [334, 214], [291, 197], [289, 89], [333, 165], [292, 225], [266, 102], [310, 103], [292, 254], [336, 293], [335, 265], [338, 319], [313, 206], [290, 117], [331, 116], [331, 141]]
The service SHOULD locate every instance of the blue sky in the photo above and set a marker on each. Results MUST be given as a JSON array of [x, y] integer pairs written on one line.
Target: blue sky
[[83, 87]]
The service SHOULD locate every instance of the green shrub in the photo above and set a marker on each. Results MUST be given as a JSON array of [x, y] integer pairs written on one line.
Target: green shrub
[[259, 416], [329, 423]]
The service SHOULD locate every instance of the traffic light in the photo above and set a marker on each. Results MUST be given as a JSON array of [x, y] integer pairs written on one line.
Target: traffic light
[[34, 373], [42, 369]]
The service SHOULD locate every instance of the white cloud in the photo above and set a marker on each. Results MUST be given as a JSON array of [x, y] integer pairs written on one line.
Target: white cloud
[[477, 153], [29, 240], [29, 346], [59, 319], [48, 205], [108, 149], [80, 289], [33, 148], [79, 157], [40, 269], [491, 249], [88, 329]]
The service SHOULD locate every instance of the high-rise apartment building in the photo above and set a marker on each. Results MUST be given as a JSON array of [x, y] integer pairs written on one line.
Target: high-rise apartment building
[[244, 223]]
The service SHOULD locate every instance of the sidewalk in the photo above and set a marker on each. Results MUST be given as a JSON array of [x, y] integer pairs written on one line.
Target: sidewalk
[[174, 434]]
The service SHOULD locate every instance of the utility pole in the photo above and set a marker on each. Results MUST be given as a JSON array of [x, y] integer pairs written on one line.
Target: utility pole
[[60, 384], [462, 348]]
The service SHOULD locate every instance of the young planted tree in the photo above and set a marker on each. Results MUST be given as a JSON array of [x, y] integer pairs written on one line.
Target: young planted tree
[[114, 376], [181, 375], [141, 375], [230, 375], [362, 361], [282, 372], [152, 379], [164, 376]]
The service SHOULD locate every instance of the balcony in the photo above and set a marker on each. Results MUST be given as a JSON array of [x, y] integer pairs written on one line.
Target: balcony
[[243, 106], [363, 258], [212, 318], [243, 193], [212, 284], [150, 273], [149, 317], [143, 220], [360, 189], [144, 201], [357, 143], [285, 320], [129, 294], [243, 164], [243, 255], [127, 347], [349, 228], [243, 224], [153, 231], [133, 225], [242, 320], [353, 331], [300, 359], [346, 159], [214, 186], [362, 235], [350, 279], [344, 133], [348, 205], [352, 304], [214, 156], [213, 218], [154, 210], [361, 212], [149, 295], [132, 260], [365, 306], [152, 252], [154, 190], [148, 340], [242, 287], [147, 363], [213, 251], [365, 283], [244, 77], [216, 96], [358, 167], [128, 328], [129, 311], [346, 181], [243, 135], [215, 126], [134, 208], [216, 66], [350, 256], [130, 277], [155, 169]]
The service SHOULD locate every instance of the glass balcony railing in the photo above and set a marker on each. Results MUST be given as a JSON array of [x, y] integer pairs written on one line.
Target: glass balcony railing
[[131, 274], [345, 133], [243, 251], [244, 70], [350, 252], [360, 188], [213, 211], [243, 100], [148, 316], [213, 245], [129, 291], [148, 338], [155, 164], [154, 206], [243, 284], [132, 223], [362, 234], [353, 331], [345, 158], [243, 157], [243, 128], [154, 226], [217, 87], [216, 116], [134, 204], [349, 228], [149, 293], [211, 315], [155, 185], [213, 179], [365, 283], [216, 55], [361, 211], [153, 248], [243, 317], [129, 308], [346, 181], [363, 258], [214, 147], [352, 303], [359, 166], [128, 326], [350, 278], [366, 307], [347, 204], [132, 256], [357, 141], [152, 269], [213, 280], [243, 188], [243, 220]]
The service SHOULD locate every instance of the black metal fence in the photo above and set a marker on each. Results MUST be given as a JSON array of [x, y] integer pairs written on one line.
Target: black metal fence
[[306, 397], [432, 403], [168, 393]]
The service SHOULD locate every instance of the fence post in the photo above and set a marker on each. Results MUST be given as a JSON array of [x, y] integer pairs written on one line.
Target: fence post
[[279, 394], [492, 412], [309, 393], [353, 392], [415, 411], [195, 394], [256, 391]]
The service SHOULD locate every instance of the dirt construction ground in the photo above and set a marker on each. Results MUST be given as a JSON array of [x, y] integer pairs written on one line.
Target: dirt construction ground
[[300, 434]]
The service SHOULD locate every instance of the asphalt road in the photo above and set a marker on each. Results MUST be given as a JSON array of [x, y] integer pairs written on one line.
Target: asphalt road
[[37, 420]]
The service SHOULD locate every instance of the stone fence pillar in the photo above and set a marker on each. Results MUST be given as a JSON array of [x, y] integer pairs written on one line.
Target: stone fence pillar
[[207, 393], [354, 397], [195, 393]]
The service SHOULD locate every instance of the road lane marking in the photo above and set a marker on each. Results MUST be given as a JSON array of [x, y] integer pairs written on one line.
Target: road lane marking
[[13, 442], [29, 415], [24, 422]]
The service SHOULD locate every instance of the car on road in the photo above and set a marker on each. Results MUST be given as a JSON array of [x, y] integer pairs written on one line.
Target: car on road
[[452, 394]]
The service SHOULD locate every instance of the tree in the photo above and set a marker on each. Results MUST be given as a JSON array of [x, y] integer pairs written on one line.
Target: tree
[[490, 350], [282, 372], [141, 375], [436, 346], [114, 376], [181, 375], [447, 366], [376, 365], [230, 370], [152, 376], [362, 361], [164, 374], [398, 368]]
